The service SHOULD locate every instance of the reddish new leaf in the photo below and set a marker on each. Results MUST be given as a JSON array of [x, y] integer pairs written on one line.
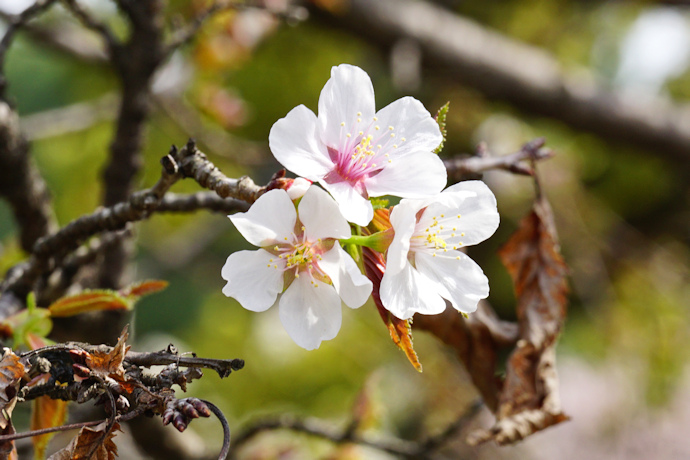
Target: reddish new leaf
[[137, 290], [91, 443], [89, 300], [46, 413], [11, 372], [374, 266], [529, 399]]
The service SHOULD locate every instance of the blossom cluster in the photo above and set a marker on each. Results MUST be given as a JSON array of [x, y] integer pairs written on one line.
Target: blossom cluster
[[355, 154]]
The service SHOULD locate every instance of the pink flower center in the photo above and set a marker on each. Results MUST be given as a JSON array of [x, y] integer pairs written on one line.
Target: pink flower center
[[362, 153]]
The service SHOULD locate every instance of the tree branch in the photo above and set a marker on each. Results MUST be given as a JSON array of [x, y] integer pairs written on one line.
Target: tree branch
[[21, 183], [70, 40], [523, 75], [460, 168], [50, 250], [200, 200], [315, 427], [135, 62]]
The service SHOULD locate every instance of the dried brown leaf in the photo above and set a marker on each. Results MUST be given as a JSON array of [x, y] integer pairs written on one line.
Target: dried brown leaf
[[11, 372], [8, 450], [91, 443], [110, 364], [529, 399], [533, 259]]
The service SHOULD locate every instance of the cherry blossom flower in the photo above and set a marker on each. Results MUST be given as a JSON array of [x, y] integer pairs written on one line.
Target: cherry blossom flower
[[424, 263], [299, 255], [355, 152]]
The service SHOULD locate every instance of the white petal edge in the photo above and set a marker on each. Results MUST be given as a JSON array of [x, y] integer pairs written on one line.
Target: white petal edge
[[412, 122], [415, 175], [346, 94], [351, 285], [353, 206], [252, 279], [310, 314], [294, 142], [480, 217], [321, 216], [408, 292], [403, 219], [461, 278], [269, 220]]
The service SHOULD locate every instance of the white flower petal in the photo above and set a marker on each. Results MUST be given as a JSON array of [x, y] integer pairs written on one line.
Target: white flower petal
[[353, 206], [269, 220], [352, 286], [480, 216], [463, 282], [321, 217], [294, 142], [298, 188], [310, 314], [408, 292], [347, 93], [415, 175], [402, 217], [253, 279], [411, 122]]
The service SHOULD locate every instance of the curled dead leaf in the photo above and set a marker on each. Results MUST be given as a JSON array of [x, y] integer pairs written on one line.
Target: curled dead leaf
[[109, 364], [91, 443], [11, 372], [529, 401]]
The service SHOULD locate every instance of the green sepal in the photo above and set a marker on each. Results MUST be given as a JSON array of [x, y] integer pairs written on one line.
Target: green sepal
[[441, 120]]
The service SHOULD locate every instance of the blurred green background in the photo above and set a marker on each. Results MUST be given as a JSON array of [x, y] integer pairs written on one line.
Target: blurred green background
[[622, 215]]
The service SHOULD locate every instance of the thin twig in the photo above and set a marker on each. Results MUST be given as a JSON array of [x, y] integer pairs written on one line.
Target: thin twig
[[15, 23], [435, 442], [225, 450], [72, 426], [109, 426], [67, 39], [460, 168], [316, 428], [93, 24], [147, 359], [184, 35]]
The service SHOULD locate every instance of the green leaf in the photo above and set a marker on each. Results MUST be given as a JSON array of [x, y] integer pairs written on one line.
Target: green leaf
[[379, 203], [441, 120], [28, 322]]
